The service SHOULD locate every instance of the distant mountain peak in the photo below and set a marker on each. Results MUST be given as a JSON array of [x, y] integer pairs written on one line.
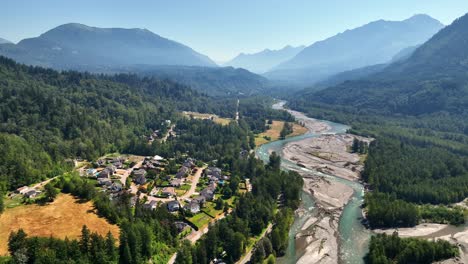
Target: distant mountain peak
[[102, 48], [373, 43], [264, 60], [4, 41]]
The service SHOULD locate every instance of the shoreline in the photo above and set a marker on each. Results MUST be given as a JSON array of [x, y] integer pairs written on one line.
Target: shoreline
[[319, 239]]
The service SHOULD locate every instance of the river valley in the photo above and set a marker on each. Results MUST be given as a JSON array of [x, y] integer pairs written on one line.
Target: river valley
[[327, 228]]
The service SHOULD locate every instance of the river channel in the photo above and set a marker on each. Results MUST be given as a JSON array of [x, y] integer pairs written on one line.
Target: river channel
[[353, 235]]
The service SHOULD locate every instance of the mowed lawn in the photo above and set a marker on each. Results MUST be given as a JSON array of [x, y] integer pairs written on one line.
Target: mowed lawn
[[63, 218], [275, 131]]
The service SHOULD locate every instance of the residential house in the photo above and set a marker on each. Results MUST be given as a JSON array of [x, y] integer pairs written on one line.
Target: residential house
[[181, 226], [176, 183], [151, 205], [116, 187], [91, 172], [139, 176], [105, 181], [189, 163], [213, 172], [192, 207], [183, 172], [168, 191], [201, 200], [173, 206], [208, 193]]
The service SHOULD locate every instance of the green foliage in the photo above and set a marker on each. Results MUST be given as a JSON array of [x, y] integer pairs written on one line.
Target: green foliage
[[91, 248], [50, 192], [61, 115], [252, 214], [286, 130], [392, 249]]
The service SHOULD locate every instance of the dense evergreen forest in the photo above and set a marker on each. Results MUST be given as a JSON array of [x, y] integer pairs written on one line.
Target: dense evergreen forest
[[417, 167], [252, 214], [393, 249], [49, 116]]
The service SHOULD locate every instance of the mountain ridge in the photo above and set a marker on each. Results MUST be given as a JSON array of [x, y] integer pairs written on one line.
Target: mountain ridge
[[262, 61], [73, 44], [373, 43]]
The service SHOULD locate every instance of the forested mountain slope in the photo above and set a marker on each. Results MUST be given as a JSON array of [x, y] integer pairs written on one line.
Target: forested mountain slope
[[433, 79], [47, 116], [219, 81], [417, 109]]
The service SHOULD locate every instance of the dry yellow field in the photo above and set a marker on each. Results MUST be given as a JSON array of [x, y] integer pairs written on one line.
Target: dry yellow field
[[63, 218], [275, 130], [219, 120]]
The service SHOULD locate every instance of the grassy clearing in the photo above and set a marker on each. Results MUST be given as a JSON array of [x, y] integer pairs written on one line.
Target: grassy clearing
[[200, 220], [215, 118], [274, 132], [63, 218]]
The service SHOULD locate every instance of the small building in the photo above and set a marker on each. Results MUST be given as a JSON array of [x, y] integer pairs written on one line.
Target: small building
[[32, 193], [181, 226], [151, 205], [116, 187], [192, 207], [213, 172], [183, 172], [176, 183], [173, 206], [208, 193], [23, 190], [139, 176], [201, 200], [105, 181], [91, 172], [168, 192]]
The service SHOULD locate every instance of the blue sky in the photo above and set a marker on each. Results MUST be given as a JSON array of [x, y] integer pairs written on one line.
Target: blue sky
[[219, 28]]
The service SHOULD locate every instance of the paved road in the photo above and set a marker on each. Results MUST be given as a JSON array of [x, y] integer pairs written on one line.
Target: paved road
[[246, 258], [190, 192]]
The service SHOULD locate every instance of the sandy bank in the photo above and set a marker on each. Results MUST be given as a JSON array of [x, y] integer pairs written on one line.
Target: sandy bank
[[327, 154], [318, 239]]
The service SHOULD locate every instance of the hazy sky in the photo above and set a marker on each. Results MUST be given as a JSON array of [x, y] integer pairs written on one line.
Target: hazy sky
[[219, 28]]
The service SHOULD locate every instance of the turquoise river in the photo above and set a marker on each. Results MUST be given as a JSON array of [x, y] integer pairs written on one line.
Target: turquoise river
[[353, 235]]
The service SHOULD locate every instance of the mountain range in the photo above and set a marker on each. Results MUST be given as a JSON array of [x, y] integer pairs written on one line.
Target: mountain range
[[265, 60], [73, 45], [432, 79], [374, 43], [4, 41]]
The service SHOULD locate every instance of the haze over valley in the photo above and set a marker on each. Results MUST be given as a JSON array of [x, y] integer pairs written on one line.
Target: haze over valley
[[327, 135]]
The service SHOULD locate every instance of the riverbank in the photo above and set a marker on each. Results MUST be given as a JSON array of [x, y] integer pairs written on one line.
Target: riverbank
[[318, 240]]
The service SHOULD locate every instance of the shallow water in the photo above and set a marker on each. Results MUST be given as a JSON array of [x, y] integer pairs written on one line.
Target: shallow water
[[353, 235]]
